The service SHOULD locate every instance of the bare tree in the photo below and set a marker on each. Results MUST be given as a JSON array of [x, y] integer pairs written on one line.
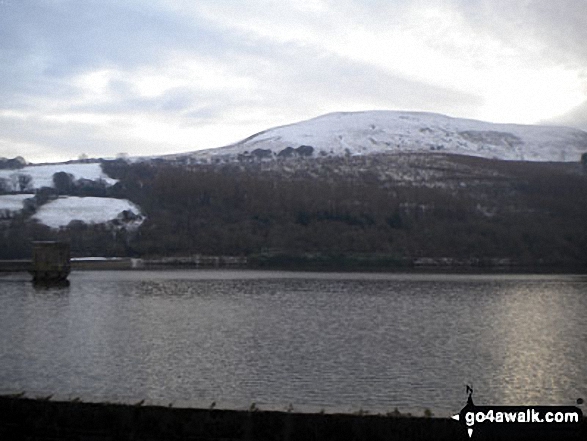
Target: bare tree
[[21, 182]]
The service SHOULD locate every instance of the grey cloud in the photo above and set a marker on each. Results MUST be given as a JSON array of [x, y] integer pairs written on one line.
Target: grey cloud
[[54, 41], [313, 80], [577, 118], [49, 139], [45, 43], [560, 26], [42, 42], [57, 141], [76, 34], [177, 101]]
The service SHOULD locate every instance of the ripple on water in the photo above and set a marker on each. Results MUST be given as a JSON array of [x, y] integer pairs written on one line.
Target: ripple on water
[[333, 341]]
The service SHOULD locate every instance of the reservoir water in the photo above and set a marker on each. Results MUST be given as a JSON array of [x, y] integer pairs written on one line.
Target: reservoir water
[[332, 341]]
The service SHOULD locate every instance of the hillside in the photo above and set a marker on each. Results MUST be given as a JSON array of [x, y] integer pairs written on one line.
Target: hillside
[[333, 192], [360, 133], [60, 200], [384, 209]]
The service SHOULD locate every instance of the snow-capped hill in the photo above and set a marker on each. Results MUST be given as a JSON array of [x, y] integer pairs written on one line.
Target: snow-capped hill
[[361, 133]]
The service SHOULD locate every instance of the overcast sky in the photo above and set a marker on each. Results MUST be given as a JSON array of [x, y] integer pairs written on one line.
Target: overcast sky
[[155, 77]]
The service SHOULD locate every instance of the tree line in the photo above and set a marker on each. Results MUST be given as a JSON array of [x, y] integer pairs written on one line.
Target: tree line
[[530, 212]]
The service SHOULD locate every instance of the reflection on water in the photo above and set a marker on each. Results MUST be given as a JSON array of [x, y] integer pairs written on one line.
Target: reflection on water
[[50, 285], [334, 341], [541, 345]]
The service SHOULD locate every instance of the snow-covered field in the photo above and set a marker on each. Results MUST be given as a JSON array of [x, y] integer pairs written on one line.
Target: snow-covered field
[[13, 202], [42, 175], [360, 133], [62, 211]]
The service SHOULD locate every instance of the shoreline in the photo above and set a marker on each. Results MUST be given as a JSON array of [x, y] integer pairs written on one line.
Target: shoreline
[[326, 263], [319, 262]]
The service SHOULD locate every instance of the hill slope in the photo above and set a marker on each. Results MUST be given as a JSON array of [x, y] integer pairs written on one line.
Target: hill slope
[[360, 133]]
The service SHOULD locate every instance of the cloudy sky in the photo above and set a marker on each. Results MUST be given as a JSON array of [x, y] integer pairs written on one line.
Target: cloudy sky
[[102, 77]]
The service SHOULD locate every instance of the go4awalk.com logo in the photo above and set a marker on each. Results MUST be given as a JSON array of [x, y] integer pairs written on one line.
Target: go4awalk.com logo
[[513, 422]]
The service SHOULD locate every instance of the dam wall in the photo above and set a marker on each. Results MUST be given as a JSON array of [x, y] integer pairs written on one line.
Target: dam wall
[[44, 420]]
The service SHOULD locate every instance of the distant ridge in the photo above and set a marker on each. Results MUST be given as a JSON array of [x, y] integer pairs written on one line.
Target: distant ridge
[[385, 131]]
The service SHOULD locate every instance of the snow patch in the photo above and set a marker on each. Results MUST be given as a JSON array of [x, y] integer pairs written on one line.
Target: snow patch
[[43, 174], [95, 259], [13, 202], [60, 212]]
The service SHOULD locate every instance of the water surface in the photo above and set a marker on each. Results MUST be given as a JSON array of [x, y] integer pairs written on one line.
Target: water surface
[[315, 340]]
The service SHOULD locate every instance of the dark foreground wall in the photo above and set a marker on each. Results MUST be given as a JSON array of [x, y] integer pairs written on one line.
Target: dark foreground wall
[[28, 419]]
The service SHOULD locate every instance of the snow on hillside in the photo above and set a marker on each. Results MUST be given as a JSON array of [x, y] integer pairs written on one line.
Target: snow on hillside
[[359, 133], [42, 175], [12, 203], [62, 211]]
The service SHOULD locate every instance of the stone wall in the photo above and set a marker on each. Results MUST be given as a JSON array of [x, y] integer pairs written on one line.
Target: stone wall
[[30, 419]]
